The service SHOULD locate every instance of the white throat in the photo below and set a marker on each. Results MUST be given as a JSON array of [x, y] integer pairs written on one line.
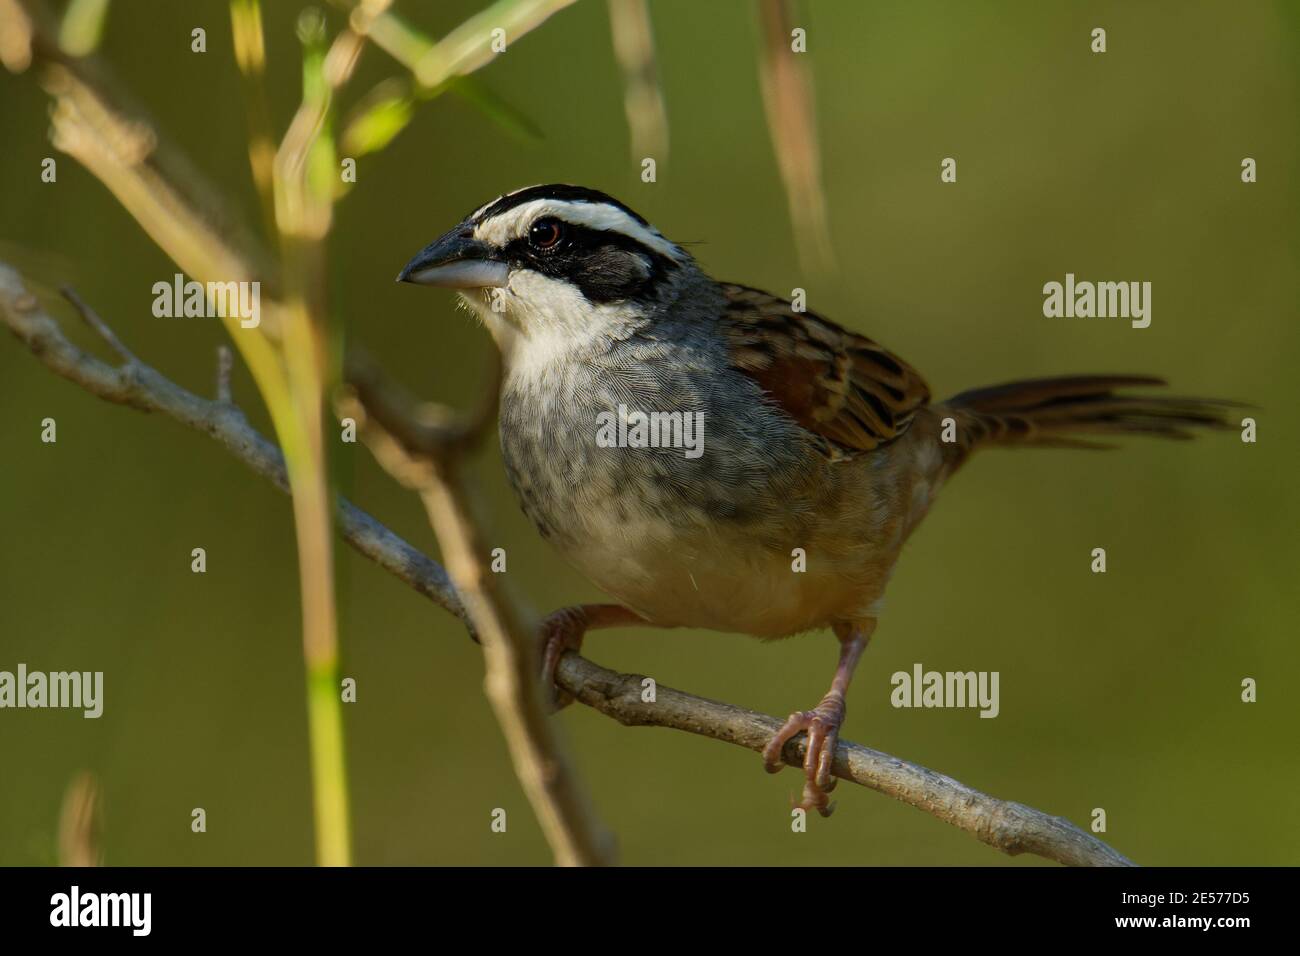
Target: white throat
[[538, 322]]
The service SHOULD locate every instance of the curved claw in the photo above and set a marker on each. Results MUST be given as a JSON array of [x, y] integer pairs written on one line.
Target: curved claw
[[817, 799], [822, 724]]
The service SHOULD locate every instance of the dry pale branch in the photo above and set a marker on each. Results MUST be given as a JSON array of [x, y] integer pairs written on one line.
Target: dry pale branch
[[1011, 827], [139, 386], [1008, 826], [462, 51], [426, 457], [788, 100], [125, 152], [563, 808], [643, 97], [80, 822]]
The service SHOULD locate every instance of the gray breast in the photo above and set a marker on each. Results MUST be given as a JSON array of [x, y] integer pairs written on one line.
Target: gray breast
[[753, 463]]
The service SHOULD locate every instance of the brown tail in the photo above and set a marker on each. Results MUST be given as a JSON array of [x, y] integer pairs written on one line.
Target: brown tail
[[1057, 412]]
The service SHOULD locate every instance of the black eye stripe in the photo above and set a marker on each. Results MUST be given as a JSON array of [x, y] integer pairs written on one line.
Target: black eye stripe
[[584, 238], [607, 266]]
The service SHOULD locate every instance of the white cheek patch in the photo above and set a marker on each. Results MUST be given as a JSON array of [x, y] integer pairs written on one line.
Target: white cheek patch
[[541, 300], [552, 322]]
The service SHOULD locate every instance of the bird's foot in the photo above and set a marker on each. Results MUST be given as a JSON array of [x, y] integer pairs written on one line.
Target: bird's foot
[[560, 632], [563, 631], [822, 725]]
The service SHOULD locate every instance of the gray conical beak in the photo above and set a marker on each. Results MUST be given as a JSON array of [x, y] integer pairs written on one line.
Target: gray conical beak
[[457, 261]]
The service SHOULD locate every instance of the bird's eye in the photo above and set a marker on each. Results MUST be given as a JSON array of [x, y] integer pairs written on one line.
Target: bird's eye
[[545, 234]]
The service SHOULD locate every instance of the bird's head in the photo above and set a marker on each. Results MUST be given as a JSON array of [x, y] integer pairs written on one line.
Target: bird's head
[[554, 260]]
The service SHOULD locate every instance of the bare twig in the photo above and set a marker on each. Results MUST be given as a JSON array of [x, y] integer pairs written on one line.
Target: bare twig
[[427, 459], [225, 365], [250, 56], [462, 51], [643, 98], [1010, 827], [288, 352], [303, 213], [511, 682], [141, 387], [79, 822], [98, 324], [99, 123], [788, 99], [422, 429]]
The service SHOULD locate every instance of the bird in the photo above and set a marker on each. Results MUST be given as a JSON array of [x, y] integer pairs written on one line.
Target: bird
[[817, 451]]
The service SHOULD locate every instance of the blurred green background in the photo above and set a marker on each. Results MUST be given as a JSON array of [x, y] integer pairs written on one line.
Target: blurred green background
[[1119, 691]]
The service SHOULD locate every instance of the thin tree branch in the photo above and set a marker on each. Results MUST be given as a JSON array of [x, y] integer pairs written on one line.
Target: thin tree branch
[[643, 97], [225, 365], [95, 322], [283, 354], [97, 121], [788, 100], [1010, 827], [1005, 825], [462, 51], [141, 387], [428, 460], [81, 822]]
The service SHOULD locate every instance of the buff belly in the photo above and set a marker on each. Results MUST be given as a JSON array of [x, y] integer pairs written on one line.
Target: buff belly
[[722, 580]]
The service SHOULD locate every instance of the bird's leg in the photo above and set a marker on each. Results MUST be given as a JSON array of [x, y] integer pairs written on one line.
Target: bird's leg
[[822, 723], [564, 629]]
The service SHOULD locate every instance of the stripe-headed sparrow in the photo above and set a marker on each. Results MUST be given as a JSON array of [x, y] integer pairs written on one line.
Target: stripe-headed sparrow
[[714, 458]]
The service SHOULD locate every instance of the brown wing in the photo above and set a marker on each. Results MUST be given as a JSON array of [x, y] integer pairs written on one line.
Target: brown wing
[[835, 383]]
